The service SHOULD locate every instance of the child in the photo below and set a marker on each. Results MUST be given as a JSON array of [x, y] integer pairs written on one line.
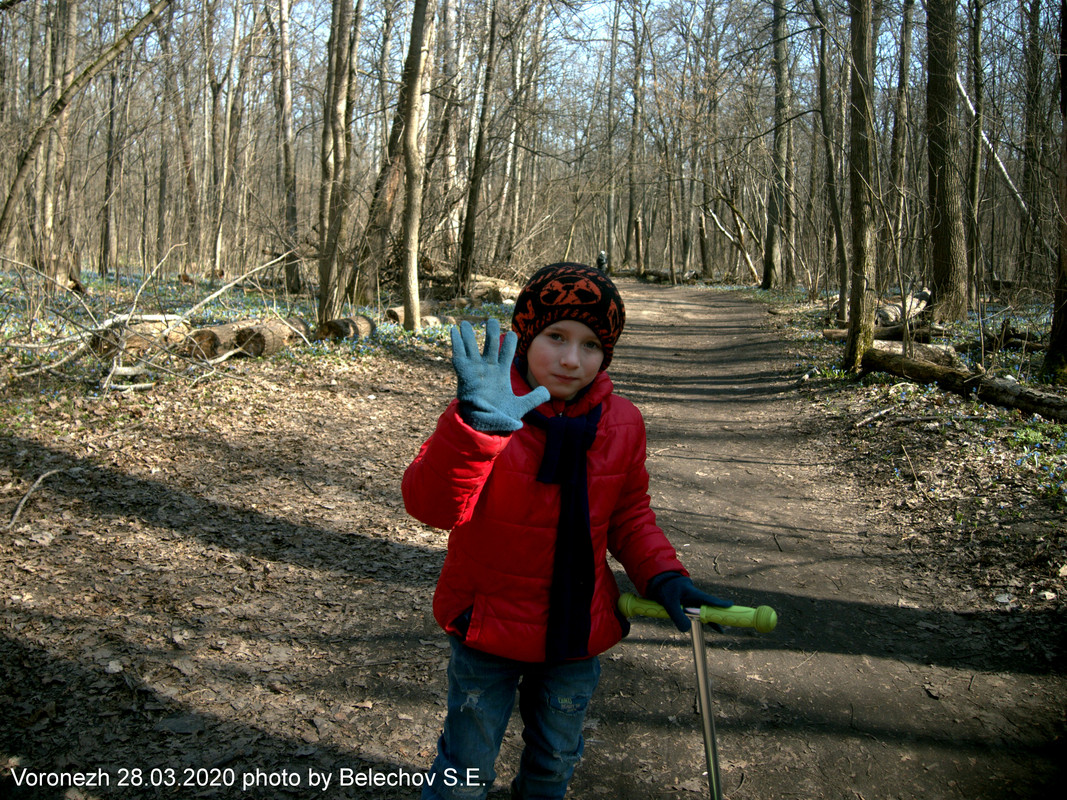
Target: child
[[537, 470]]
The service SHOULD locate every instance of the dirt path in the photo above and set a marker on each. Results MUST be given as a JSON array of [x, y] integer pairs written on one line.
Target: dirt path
[[872, 687], [216, 593]]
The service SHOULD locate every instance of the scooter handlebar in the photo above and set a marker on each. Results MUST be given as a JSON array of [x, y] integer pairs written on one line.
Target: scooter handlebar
[[763, 619]]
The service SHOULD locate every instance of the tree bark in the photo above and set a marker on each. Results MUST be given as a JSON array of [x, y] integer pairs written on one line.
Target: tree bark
[[861, 186], [1055, 366], [284, 106], [776, 205], [183, 121], [465, 268], [974, 166], [945, 200], [832, 195], [1034, 113], [336, 189], [413, 160], [108, 234]]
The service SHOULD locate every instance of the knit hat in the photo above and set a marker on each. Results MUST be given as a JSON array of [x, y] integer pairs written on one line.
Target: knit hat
[[569, 291]]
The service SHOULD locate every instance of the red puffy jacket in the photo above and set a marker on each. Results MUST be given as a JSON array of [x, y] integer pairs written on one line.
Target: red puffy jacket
[[483, 488]]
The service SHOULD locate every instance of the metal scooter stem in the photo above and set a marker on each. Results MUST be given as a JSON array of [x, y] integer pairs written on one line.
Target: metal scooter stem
[[711, 750]]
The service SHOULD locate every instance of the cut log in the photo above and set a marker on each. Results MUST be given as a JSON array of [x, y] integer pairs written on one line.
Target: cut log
[[429, 322], [396, 313], [209, 343], [139, 335], [359, 327], [998, 391], [300, 329], [266, 338], [892, 313]]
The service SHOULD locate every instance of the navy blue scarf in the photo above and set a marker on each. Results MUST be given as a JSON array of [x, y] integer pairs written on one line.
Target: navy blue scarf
[[567, 440]]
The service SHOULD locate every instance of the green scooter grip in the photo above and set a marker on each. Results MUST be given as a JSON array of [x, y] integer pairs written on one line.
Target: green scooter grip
[[763, 618]]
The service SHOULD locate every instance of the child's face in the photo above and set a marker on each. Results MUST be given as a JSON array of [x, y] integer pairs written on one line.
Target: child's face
[[565, 357]]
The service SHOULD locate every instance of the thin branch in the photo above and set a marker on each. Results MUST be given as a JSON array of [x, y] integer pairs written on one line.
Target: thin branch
[[25, 497]]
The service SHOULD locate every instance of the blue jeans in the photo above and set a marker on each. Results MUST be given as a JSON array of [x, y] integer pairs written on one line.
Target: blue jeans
[[481, 694]]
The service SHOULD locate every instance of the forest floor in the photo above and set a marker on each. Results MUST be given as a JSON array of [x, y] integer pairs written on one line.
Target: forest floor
[[215, 591]]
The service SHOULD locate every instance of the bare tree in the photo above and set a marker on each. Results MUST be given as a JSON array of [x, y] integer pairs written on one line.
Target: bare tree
[[284, 110], [777, 210], [465, 268], [421, 21], [830, 159], [974, 171], [336, 187], [945, 204], [861, 185], [181, 103], [1055, 366]]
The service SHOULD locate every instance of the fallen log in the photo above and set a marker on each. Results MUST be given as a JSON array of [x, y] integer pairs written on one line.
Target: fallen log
[[136, 336], [359, 327], [209, 343], [998, 391], [445, 321], [894, 313], [396, 313], [266, 338], [1006, 338], [889, 333], [941, 354]]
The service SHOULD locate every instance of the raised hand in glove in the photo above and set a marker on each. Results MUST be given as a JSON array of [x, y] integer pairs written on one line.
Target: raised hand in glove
[[486, 400], [675, 592]]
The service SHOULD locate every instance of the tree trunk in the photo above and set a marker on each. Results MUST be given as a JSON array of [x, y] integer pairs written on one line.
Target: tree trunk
[[465, 267], [336, 188], [832, 195], [1034, 112], [898, 152], [634, 225], [108, 235], [1055, 366], [183, 121], [609, 223], [776, 209], [974, 166], [945, 205], [861, 183], [376, 247], [284, 107], [413, 160]]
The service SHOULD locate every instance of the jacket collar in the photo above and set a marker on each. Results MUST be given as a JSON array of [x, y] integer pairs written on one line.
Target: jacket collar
[[590, 397]]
